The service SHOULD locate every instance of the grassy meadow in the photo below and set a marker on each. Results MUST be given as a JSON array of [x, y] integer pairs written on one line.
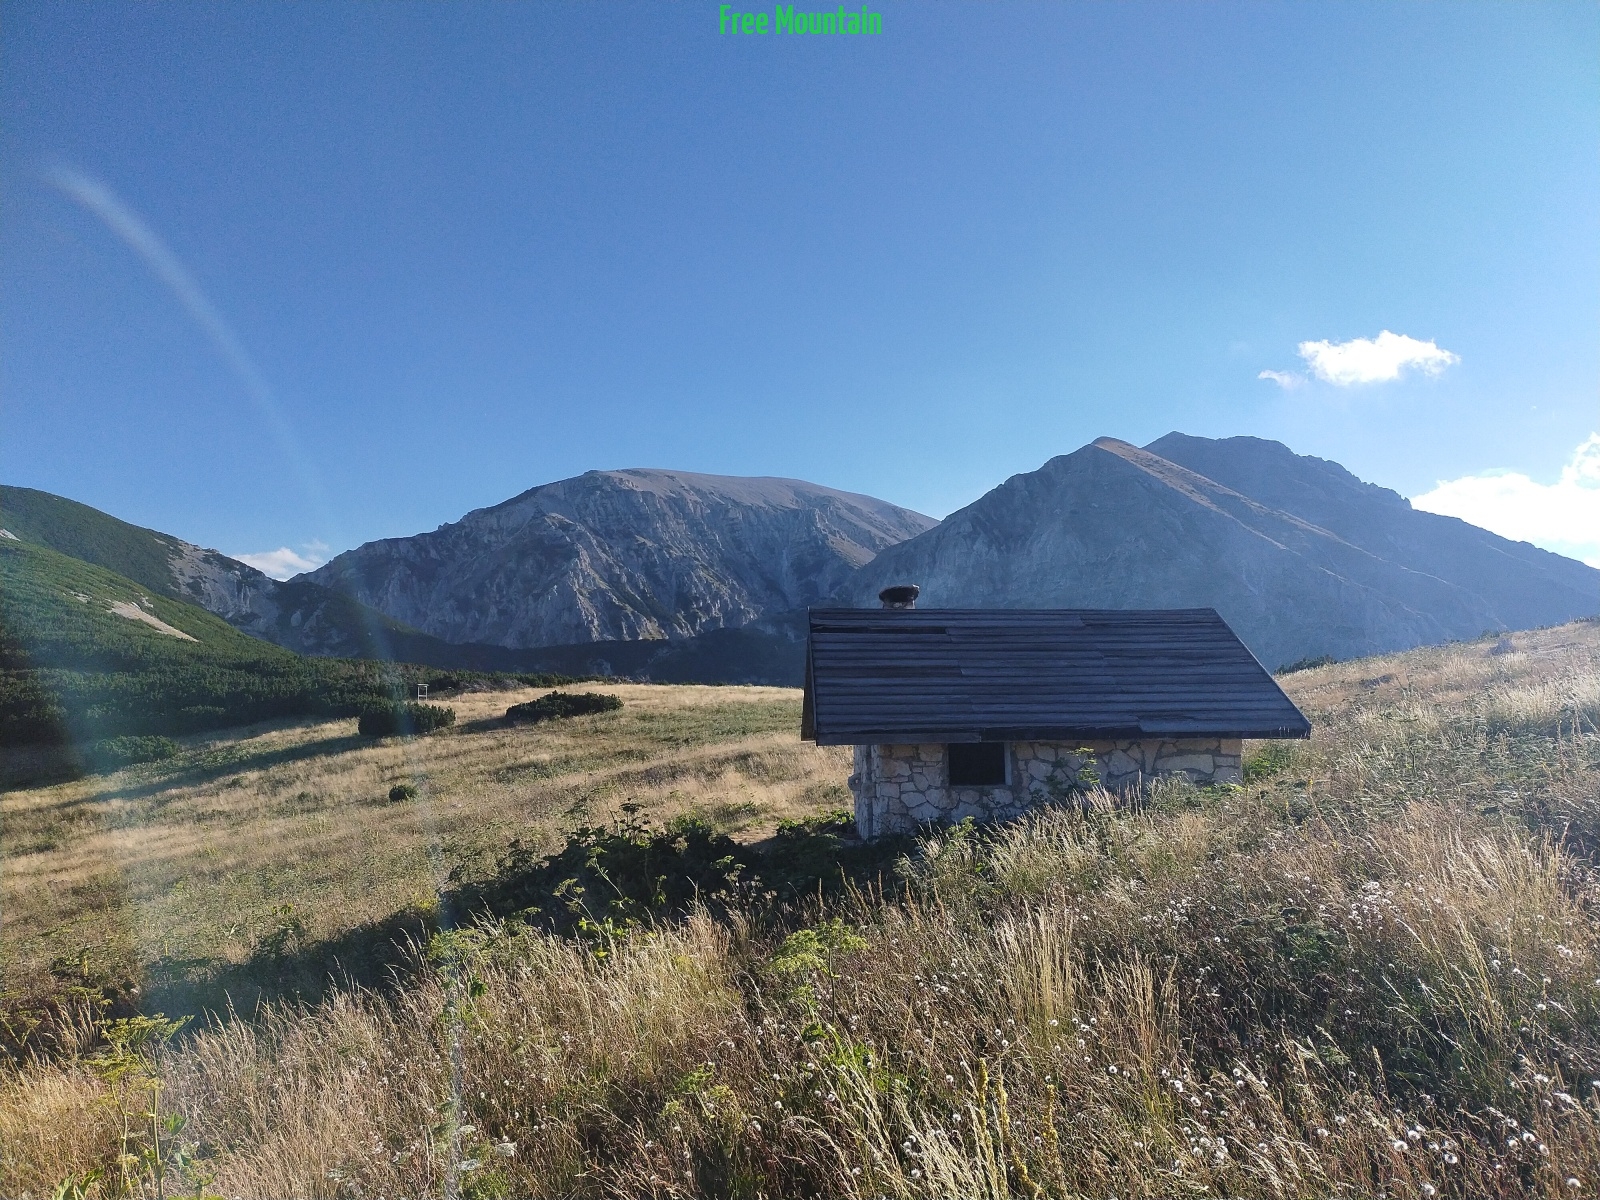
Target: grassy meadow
[[162, 874], [1373, 969]]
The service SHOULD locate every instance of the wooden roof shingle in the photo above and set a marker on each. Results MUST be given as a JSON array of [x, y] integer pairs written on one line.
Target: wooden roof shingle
[[901, 676]]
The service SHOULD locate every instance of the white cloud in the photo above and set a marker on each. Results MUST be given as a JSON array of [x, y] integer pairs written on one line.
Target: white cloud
[[1287, 380], [1373, 360], [284, 562], [1563, 516]]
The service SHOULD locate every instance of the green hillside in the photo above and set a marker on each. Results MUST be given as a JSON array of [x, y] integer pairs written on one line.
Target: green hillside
[[84, 656], [74, 529], [74, 670], [312, 619], [304, 617]]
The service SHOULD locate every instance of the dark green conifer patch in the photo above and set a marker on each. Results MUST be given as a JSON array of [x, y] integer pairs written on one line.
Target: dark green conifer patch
[[558, 705], [398, 720], [74, 670]]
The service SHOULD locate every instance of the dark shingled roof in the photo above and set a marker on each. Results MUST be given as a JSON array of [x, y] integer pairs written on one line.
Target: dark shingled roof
[[987, 675]]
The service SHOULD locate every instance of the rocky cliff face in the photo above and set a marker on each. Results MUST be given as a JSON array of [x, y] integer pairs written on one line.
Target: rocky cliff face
[[304, 617], [623, 555], [238, 593], [1299, 556], [1524, 585]]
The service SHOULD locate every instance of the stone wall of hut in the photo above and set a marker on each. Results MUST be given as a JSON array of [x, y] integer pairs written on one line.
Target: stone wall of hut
[[898, 788]]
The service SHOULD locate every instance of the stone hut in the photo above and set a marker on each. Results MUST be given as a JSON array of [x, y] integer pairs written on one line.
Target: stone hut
[[985, 713]]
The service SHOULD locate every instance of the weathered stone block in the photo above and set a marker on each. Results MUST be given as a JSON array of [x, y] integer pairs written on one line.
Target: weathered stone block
[[1121, 763], [1202, 764]]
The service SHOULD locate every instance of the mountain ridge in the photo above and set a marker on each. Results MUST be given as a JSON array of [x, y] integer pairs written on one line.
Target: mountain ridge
[[624, 555], [1113, 525], [686, 576], [1383, 522]]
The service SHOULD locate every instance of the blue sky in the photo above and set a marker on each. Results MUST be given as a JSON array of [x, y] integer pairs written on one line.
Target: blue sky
[[305, 275]]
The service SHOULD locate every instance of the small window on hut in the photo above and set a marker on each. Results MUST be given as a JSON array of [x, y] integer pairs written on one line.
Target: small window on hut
[[976, 764]]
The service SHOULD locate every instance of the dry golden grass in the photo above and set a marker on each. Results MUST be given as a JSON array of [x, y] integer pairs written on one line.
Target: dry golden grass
[[1372, 970], [192, 862], [52, 1123]]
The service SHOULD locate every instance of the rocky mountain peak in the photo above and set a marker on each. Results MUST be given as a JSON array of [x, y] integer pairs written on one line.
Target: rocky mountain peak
[[624, 554], [1298, 555]]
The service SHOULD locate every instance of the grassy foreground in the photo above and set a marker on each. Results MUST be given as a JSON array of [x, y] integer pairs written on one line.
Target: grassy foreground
[[1373, 970], [275, 851]]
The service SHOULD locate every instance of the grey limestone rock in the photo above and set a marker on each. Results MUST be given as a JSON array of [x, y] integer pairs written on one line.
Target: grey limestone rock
[[623, 555], [1299, 556]]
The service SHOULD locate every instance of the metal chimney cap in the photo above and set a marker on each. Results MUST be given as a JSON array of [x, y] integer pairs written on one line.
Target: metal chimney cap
[[902, 595]]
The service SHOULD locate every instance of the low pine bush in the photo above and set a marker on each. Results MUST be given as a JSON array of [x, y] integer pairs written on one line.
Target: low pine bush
[[112, 753], [562, 704], [392, 720], [1305, 664], [616, 877], [401, 792]]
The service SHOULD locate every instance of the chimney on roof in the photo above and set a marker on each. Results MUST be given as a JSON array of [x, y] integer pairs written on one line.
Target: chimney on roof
[[902, 595]]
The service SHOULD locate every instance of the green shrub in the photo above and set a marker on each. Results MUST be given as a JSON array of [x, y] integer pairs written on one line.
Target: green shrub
[[615, 876], [1306, 664], [116, 752], [562, 704], [1266, 762], [391, 720], [807, 954], [402, 791]]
